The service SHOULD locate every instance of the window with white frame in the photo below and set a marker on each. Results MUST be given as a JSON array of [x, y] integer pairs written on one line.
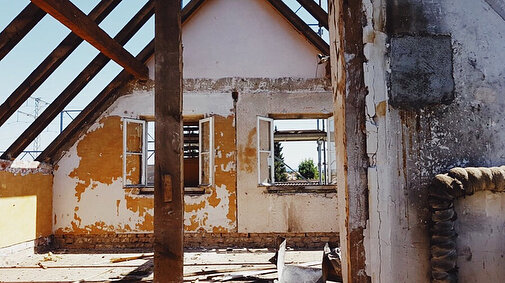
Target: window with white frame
[[296, 151], [265, 128], [206, 152], [139, 153], [134, 152]]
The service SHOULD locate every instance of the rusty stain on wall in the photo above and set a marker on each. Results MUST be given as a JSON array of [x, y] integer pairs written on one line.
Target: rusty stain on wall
[[248, 153]]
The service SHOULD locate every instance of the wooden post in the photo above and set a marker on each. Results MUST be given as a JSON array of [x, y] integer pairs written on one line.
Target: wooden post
[[168, 185], [347, 58]]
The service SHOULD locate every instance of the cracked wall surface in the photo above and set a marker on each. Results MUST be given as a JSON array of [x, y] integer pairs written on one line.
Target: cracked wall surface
[[407, 148]]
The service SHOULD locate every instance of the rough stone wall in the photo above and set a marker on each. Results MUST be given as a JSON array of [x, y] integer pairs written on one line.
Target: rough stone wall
[[411, 145], [25, 202]]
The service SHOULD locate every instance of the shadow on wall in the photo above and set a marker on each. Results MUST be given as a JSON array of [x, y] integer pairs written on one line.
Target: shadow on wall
[[25, 204]]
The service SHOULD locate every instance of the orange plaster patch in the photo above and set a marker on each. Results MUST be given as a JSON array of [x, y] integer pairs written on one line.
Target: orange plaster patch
[[219, 229], [213, 199], [232, 209], [226, 175], [147, 224], [194, 207], [100, 152], [193, 224], [139, 204]]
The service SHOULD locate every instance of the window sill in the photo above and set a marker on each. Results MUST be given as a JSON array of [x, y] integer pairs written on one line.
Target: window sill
[[297, 189], [148, 190]]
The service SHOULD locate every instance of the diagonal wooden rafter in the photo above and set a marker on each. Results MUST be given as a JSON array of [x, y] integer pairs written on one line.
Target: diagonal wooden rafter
[[104, 99], [19, 27], [498, 6], [190, 9], [316, 11], [50, 63], [69, 15], [301, 26], [93, 110], [76, 85]]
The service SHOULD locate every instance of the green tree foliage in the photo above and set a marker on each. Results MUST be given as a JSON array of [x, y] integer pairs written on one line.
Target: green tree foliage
[[308, 169], [280, 168]]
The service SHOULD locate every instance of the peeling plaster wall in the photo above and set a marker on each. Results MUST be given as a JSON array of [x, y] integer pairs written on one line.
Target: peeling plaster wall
[[244, 46], [408, 147], [25, 202], [89, 195], [258, 210]]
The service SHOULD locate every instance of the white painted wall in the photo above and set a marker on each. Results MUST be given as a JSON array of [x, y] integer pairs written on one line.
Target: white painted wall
[[403, 158], [481, 228], [245, 38]]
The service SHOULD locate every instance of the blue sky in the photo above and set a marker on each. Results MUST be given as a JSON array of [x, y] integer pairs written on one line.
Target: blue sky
[[43, 38]]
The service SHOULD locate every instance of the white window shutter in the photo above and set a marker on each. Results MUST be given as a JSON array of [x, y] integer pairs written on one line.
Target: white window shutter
[[332, 158], [206, 151], [265, 150]]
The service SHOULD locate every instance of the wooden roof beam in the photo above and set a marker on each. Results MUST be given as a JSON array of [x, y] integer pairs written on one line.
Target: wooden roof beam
[[92, 111], [51, 63], [69, 15], [19, 27], [316, 11], [301, 26], [103, 100], [71, 91]]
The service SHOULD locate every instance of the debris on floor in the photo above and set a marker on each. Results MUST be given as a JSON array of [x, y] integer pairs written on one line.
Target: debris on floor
[[217, 265]]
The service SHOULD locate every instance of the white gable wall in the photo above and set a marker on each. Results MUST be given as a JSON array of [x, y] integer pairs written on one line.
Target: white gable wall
[[245, 38]]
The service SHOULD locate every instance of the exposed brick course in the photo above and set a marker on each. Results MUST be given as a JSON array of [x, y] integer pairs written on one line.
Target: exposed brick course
[[144, 241]]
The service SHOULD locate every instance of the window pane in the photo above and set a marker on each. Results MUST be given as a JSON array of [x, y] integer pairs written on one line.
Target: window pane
[[265, 168], [150, 175], [205, 173], [332, 162], [264, 135], [134, 137], [133, 169], [205, 136]]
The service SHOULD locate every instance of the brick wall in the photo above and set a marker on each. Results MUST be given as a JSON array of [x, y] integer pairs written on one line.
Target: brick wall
[[144, 241]]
